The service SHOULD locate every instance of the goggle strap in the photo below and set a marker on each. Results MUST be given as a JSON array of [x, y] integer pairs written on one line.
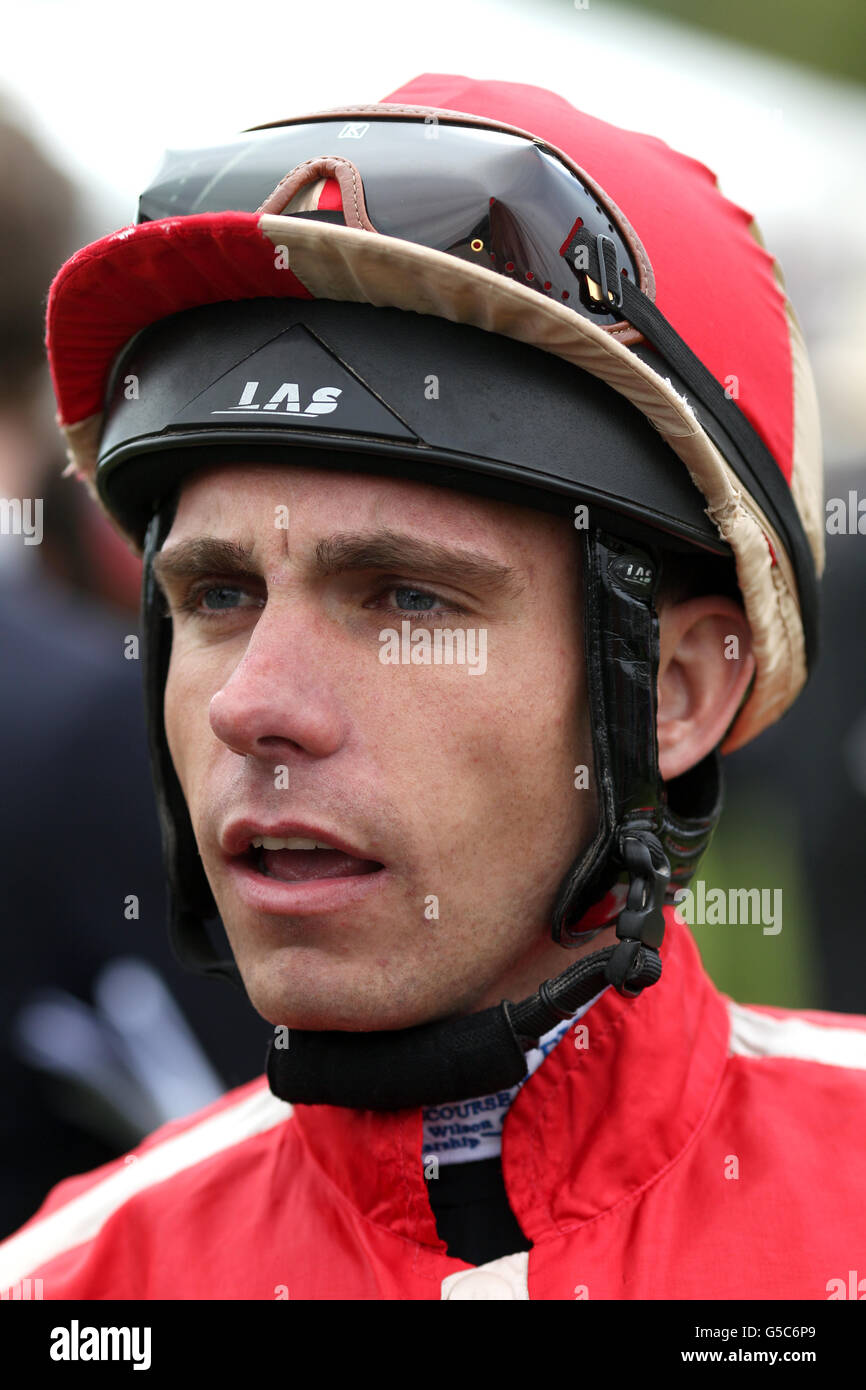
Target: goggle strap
[[757, 467]]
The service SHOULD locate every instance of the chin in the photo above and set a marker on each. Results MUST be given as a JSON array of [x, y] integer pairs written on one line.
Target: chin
[[327, 1009]]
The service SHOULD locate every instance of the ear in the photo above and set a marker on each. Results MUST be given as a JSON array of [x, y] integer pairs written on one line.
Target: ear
[[705, 665]]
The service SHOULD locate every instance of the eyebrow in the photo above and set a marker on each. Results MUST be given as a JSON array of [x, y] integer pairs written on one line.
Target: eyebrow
[[346, 551], [205, 554]]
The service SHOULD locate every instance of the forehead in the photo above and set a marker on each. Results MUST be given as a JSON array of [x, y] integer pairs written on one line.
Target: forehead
[[224, 500]]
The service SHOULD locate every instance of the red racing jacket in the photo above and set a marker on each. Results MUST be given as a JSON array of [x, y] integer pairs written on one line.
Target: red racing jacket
[[680, 1146]]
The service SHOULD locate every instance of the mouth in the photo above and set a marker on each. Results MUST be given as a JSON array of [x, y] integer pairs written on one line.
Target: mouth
[[295, 859], [299, 870]]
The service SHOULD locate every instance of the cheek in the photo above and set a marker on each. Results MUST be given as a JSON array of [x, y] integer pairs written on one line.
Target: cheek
[[175, 707], [189, 688], [494, 751], [533, 743]]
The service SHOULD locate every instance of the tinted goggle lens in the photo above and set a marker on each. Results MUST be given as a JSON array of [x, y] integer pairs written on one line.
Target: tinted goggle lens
[[488, 197]]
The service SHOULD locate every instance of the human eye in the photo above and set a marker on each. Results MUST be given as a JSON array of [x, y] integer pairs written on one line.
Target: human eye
[[209, 600], [412, 601]]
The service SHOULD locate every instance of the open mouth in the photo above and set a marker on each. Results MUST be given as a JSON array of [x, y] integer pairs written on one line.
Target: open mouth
[[298, 860]]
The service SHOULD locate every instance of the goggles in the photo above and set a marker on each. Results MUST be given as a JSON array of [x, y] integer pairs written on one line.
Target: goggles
[[504, 201]]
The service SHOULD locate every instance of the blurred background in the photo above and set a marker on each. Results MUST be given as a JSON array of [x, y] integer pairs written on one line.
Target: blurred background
[[771, 97]]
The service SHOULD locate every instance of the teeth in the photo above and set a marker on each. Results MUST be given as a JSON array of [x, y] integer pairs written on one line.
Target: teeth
[[269, 842]]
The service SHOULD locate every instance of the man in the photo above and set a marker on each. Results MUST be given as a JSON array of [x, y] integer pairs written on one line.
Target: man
[[477, 478]]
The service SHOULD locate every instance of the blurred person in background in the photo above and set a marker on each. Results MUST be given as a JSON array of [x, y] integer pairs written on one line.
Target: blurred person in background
[[101, 1033]]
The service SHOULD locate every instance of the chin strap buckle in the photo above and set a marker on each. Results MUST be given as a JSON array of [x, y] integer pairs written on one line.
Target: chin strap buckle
[[635, 962]]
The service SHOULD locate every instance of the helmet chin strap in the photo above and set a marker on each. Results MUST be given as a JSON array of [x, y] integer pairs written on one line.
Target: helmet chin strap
[[642, 850]]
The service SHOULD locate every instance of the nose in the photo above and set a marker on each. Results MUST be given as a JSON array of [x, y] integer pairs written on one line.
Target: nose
[[279, 699]]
